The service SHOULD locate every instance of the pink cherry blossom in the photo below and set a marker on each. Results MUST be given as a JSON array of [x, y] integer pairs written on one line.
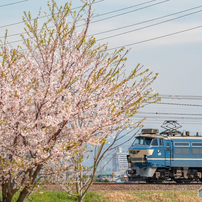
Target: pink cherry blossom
[[61, 93]]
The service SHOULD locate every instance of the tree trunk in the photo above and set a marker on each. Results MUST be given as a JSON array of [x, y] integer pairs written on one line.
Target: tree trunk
[[8, 198], [23, 194], [80, 198], [7, 192]]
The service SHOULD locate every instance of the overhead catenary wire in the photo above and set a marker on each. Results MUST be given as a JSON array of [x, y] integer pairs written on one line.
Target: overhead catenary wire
[[94, 16], [10, 4], [179, 104], [183, 117], [125, 8], [146, 21], [139, 117], [172, 110], [21, 22], [170, 113], [148, 26], [138, 9], [169, 117], [163, 118], [161, 121], [143, 41], [155, 38], [147, 40], [16, 23], [101, 19], [180, 97], [189, 109]]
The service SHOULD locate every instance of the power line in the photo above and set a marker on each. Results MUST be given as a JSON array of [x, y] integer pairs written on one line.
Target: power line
[[181, 97], [129, 12], [155, 38], [148, 120], [147, 39], [136, 5], [13, 3], [160, 121], [180, 104], [105, 18], [95, 16], [169, 117], [197, 96], [148, 26], [146, 21], [169, 113], [21, 22]]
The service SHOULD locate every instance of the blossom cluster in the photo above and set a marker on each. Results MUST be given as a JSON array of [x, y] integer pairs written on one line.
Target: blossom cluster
[[62, 93]]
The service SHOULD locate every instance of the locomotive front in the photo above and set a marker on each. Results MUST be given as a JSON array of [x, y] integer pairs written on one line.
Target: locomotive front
[[143, 153]]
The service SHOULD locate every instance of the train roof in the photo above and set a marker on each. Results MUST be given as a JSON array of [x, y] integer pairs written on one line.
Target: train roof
[[168, 137], [183, 137], [151, 136], [167, 134]]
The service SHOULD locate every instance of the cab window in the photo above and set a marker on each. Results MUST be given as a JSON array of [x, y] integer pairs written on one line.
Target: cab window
[[161, 141], [154, 142], [145, 141], [142, 141]]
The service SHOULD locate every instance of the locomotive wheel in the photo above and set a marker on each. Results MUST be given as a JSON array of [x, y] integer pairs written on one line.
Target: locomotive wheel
[[178, 181], [154, 180], [150, 181], [186, 181], [160, 181]]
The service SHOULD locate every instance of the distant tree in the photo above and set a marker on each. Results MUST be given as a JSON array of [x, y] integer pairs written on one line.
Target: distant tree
[[60, 94]]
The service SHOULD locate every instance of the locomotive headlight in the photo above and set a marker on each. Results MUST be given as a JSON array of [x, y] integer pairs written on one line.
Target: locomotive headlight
[[134, 151]]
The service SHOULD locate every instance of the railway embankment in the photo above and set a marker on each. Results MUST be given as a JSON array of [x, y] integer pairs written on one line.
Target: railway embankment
[[136, 187]]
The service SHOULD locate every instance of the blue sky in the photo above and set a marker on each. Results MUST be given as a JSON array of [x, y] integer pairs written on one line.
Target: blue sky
[[176, 58]]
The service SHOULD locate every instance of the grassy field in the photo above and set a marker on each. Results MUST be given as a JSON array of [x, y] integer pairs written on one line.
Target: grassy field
[[176, 196]]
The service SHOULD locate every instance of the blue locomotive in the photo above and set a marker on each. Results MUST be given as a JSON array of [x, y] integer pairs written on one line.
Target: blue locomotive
[[170, 155]]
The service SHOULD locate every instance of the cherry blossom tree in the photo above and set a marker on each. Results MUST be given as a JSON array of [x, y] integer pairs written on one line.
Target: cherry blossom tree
[[63, 91]]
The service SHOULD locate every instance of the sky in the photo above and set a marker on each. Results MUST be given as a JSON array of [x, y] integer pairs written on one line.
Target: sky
[[170, 45]]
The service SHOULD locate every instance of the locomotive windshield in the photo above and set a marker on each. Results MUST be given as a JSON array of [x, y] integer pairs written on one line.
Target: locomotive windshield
[[145, 141]]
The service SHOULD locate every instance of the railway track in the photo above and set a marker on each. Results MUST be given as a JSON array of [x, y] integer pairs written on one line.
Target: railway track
[[135, 187], [145, 187], [143, 183]]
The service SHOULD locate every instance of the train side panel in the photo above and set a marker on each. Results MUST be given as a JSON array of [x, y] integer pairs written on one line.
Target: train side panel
[[186, 152]]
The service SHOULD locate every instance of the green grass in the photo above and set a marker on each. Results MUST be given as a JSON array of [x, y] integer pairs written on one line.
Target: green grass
[[59, 196], [48, 196], [115, 196]]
